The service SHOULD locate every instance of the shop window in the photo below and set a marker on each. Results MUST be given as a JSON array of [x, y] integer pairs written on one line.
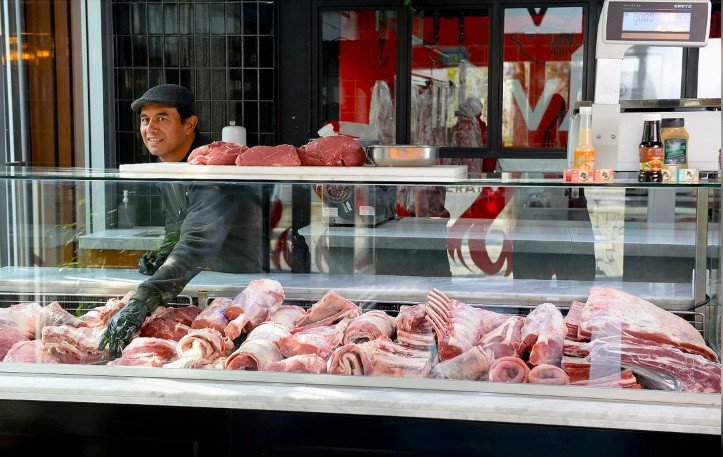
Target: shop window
[[542, 75], [709, 60], [359, 73]]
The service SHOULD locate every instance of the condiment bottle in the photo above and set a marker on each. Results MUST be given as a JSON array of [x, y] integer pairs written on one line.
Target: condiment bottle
[[651, 150], [675, 142], [233, 133], [126, 212], [584, 154]]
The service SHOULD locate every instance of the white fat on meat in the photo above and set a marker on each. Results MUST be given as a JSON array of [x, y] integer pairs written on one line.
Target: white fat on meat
[[548, 374], [330, 309], [313, 340], [302, 363], [509, 369], [413, 329], [369, 326], [472, 365], [457, 325], [544, 335], [254, 355]]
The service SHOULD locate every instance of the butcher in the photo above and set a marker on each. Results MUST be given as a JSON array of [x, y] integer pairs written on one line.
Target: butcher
[[207, 226]]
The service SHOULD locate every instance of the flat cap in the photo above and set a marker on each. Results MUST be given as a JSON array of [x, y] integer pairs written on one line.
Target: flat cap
[[167, 95]]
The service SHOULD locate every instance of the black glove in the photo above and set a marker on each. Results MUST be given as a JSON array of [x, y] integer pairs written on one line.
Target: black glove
[[150, 262], [125, 323]]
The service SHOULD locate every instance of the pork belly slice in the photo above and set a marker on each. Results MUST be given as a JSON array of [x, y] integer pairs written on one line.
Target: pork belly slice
[[413, 329], [609, 312], [574, 348], [314, 340], [331, 309], [75, 345], [204, 343], [572, 319], [506, 339], [353, 359], [147, 352], [254, 355], [544, 335], [393, 359], [548, 374], [693, 372], [509, 369], [369, 326], [30, 351], [214, 315], [269, 331], [624, 379], [472, 365], [577, 368], [302, 363]]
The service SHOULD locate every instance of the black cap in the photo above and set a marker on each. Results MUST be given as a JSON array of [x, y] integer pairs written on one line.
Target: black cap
[[673, 122], [168, 95]]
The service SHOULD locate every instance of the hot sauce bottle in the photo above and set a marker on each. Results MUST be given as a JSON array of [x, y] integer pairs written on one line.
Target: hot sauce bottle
[[585, 152], [651, 150]]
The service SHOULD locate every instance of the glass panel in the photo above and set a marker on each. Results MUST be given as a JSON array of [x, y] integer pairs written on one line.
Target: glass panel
[[450, 50], [542, 75], [359, 65], [651, 73], [709, 61]]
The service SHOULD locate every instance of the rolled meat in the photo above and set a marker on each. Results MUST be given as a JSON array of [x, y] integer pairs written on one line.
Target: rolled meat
[[509, 369], [302, 363], [369, 326], [254, 355], [472, 365], [548, 374]]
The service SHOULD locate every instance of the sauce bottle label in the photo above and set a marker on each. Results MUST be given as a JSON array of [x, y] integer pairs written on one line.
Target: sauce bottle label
[[675, 151], [584, 159]]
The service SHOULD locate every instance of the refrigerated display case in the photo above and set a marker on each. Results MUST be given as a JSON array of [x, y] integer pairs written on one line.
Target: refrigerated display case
[[512, 241]]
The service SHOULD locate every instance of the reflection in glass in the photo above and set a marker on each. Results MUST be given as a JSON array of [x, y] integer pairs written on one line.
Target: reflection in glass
[[449, 77], [359, 65], [542, 75]]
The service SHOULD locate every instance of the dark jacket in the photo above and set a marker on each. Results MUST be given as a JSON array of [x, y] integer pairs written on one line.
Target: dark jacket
[[208, 225]]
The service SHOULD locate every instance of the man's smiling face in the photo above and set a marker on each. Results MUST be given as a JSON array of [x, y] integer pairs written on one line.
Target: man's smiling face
[[164, 134]]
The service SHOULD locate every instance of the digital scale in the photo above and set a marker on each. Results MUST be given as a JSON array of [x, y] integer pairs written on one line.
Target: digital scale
[[616, 126]]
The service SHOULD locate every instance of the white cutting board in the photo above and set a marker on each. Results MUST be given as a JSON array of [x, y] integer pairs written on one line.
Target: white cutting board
[[434, 173]]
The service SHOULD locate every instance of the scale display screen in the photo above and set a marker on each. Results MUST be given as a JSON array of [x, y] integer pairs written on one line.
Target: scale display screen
[[651, 22], [655, 21]]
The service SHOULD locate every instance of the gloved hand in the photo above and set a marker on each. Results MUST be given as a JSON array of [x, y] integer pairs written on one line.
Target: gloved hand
[[151, 261], [126, 322]]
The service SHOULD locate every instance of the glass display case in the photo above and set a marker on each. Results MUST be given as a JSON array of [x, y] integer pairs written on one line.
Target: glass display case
[[463, 294]]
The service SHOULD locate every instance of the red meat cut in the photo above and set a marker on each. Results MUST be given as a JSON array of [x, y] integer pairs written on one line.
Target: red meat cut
[[270, 156], [334, 151], [216, 153]]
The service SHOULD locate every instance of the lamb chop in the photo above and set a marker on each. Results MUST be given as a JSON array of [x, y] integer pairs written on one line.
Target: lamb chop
[[457, 325]]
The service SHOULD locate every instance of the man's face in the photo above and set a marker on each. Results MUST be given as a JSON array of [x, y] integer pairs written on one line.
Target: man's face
[[163, 133]]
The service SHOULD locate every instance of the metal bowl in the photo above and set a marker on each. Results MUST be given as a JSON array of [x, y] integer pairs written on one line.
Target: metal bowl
[[399, 155]]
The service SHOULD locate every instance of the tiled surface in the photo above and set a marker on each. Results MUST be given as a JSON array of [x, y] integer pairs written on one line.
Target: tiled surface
[[222, 50]]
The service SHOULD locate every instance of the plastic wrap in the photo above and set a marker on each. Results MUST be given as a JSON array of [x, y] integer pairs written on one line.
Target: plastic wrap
[[381, 113]]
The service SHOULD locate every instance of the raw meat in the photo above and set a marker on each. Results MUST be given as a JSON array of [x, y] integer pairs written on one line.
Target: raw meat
[[353, 359], [548, 374], [100, 315], [269, 331], [254, 355], [544, 335], [253, 306], [335, 151], [413, 329], [75, 345], [331, 309], [30, 351], [694, 372], [23, 317], [169, 323], [204, 343], [572, 319], [456, 324], [216, 153], [54, 314], [270, 156], [577, 368], [394, 359], [610, 311], [472, 365], [624, 379], [509, 369], [214, 316], [506, 339], [8, 337], [370, 325], [313, 340], [286, 315], [574, 348], [302, 363], [147, 352]]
